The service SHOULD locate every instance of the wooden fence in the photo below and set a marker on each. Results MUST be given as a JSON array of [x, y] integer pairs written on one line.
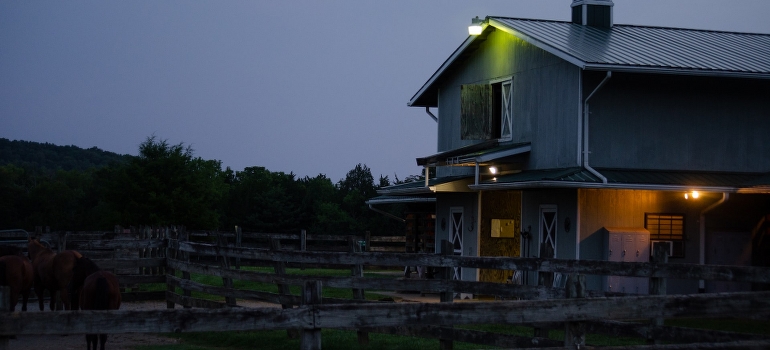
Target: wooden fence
[[577, 311]]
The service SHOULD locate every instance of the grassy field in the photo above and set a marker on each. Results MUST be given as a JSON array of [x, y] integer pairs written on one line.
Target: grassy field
[[338, 339]]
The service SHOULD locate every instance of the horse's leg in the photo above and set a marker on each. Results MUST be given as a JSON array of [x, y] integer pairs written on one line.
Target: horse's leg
[[14, 298], [65, 297], [52, 291], [40, 292], [102, 340], [90, 338], [24, 298]]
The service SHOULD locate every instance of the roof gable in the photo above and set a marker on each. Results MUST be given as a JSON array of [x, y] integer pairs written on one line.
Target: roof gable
[[626, 48]]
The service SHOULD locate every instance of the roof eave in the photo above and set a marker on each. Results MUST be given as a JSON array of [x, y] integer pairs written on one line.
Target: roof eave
[[616, 186], [375, 201], [675, 71], [414, 101]]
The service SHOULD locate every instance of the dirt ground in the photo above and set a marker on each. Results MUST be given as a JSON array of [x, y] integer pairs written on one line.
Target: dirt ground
[[114, 342]]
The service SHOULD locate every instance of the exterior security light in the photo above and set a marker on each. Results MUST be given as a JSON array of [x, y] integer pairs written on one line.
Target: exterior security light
[[693, 194], [475, 27], [493, 170]]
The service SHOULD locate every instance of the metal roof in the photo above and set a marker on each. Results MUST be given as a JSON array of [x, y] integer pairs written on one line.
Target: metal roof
[[629, 48], [476, 153], [401, 199], [435, 184], [577, 177]]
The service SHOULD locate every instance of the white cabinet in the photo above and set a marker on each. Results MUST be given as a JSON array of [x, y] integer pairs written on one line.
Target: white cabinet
[[626, 245]]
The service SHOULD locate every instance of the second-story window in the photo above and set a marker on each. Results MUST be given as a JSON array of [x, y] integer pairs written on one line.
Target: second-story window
[[504, 94], [486, 111]]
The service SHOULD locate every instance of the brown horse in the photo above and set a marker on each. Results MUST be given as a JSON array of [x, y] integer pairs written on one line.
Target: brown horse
[[52, 272], [16, 272], [98, 289]]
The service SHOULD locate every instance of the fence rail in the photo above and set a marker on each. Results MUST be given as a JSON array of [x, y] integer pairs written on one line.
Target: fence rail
[[172, 257]]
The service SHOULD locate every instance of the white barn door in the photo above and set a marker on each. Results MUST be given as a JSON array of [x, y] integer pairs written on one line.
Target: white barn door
[[456, 237]]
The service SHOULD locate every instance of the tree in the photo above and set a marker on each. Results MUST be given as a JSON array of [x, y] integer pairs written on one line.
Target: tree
[[265, 201], [166, 185]]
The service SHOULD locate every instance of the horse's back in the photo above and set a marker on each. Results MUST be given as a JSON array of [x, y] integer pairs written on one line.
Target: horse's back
[[63, 264], [101, 291], [18, 271]]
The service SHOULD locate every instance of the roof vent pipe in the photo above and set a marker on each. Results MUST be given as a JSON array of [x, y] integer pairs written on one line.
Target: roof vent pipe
[[585, 129], [594, 13]]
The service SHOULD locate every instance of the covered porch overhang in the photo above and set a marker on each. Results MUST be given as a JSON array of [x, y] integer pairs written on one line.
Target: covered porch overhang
[[632, 179], [489, 153]]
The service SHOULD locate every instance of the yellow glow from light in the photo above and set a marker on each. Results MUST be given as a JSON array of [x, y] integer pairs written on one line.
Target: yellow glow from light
[[693, 194], [493, 170]]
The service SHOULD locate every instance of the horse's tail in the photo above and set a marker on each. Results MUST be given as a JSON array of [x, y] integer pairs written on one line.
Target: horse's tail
[[101, 294], [3, 278]]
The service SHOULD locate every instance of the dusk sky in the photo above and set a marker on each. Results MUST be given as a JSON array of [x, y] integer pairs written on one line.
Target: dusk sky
[[309, 87]]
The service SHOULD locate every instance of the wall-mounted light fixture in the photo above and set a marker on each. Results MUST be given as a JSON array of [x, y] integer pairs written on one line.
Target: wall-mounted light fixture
[[475, 27], [693, 195], [493, 170]]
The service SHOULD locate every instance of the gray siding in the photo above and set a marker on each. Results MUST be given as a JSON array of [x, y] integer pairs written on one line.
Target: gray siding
[[687, 123], [546, 99], [565, 201]]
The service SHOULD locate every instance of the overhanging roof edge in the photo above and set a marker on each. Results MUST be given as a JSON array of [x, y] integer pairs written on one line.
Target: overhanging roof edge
[[598, 185], [403, 199], [674, 70], [448, 62]]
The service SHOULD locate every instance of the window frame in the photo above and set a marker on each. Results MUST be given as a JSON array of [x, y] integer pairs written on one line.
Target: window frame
[[677, 239]]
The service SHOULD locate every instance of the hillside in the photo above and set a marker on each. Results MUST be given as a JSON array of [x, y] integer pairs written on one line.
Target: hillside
[[47, 156]]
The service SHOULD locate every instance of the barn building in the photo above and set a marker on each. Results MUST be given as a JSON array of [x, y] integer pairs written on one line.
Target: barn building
[[587, 139]]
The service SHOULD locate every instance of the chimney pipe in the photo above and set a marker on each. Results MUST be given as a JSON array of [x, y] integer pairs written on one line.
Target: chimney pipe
[[594, 13]]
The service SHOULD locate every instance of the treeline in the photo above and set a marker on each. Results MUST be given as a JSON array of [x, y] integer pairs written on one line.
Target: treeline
[[168, 185]]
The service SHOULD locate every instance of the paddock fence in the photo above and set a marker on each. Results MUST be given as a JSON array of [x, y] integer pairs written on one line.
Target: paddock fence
[[304, 311]]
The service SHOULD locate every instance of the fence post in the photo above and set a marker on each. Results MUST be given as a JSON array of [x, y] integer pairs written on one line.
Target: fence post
[[5, 300], [311, 295], [303, 240], [170, 254], [279, 268], [61, 244], [225, 265], [544, 279], [575, 332], [658, 284], [185, 236], [238, 243], [367, 241], [358, 294], [447, 249]]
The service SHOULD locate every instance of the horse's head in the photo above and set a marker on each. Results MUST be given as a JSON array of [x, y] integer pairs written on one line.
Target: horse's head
[[34, 247]]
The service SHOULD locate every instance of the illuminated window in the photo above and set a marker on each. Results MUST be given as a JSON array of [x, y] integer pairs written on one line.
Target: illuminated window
[[667, 228]]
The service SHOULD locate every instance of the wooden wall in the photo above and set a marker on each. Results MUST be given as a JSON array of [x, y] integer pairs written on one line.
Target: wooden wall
[[499, 205]]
